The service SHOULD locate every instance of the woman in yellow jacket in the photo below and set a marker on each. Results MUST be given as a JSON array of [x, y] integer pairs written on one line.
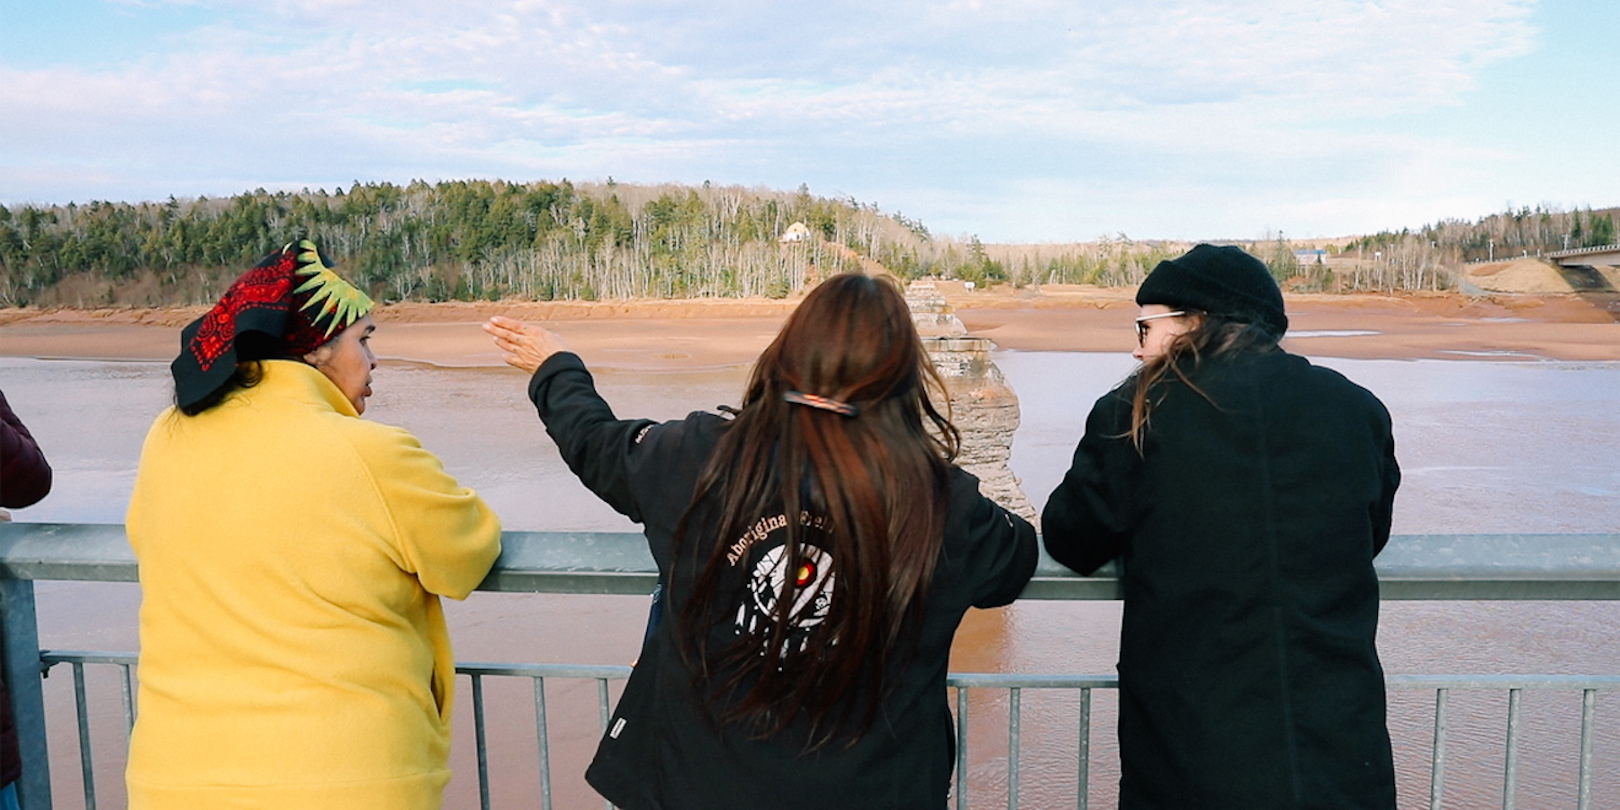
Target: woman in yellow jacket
[[292, 555]]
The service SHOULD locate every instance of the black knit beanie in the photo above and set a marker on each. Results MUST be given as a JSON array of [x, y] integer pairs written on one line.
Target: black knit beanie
[[1220, 280]]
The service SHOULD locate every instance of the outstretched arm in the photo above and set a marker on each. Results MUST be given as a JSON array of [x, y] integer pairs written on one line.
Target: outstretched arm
[[595, 444]]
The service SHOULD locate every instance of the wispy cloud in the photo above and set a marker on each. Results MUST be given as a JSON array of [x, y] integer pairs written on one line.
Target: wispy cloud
[[913, 104]]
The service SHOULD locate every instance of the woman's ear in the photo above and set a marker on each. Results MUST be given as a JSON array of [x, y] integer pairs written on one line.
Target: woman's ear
[[320, 355]]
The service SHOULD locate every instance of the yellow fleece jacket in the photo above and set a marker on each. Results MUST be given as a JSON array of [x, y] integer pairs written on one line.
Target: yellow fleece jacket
[[293, 648]]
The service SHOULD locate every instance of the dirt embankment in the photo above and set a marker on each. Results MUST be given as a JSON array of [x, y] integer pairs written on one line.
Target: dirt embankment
[[1409, 326], [1538, 276], [659, 334]]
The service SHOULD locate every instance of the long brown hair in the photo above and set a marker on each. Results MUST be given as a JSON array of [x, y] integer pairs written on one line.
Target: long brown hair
[[1212, 336], [876, 481]]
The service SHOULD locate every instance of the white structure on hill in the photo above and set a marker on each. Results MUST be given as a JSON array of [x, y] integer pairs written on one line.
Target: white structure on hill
[[797, 232]]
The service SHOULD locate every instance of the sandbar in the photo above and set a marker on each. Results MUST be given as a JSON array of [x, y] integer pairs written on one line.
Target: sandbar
[[653, 335]]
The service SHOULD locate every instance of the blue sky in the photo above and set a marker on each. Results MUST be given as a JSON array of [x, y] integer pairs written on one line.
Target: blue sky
[[1015, 120]]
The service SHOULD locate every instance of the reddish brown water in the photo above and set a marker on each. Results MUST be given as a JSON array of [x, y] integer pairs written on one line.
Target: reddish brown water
[[1487, 447]]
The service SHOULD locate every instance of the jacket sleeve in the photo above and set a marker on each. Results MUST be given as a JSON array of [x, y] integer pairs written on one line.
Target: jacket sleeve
[[1005, 551], [1088, 517], [594, 444], [446, 535], [1384, 510], [25, 476]]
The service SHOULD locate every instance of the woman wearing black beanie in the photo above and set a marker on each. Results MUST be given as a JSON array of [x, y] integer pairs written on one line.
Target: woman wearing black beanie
[[1245, 493]]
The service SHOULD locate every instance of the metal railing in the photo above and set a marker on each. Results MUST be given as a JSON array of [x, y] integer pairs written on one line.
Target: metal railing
[[76, 659], [1582, 251], [1413, 567], [1013, 685]]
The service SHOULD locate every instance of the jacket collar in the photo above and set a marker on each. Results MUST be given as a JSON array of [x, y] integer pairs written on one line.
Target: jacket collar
[[304, 382]]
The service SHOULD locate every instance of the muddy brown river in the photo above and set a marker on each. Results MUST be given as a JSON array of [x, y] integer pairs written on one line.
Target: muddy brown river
[[1486, 446]]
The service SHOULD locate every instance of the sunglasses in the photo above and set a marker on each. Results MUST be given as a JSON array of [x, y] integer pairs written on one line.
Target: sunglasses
[[1142, 324]]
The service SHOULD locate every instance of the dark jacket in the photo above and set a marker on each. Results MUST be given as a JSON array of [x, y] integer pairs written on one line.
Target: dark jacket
[[1246, 528], [25, 478], [664, 747]]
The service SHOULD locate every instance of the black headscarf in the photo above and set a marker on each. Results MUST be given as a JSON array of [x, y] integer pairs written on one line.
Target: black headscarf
[[290, 303]]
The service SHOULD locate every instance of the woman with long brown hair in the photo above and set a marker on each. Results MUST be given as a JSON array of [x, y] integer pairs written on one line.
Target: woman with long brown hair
[[818, 551], [1244, 491]]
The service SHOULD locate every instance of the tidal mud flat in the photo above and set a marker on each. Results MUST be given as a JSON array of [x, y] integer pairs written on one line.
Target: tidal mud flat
[[654, 335]]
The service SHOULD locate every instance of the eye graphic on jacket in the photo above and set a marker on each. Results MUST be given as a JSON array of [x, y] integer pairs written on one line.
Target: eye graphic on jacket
[[813, 583]]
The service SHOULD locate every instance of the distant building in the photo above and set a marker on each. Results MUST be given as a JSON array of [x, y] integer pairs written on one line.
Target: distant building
[[797, 232], [1305, 257]]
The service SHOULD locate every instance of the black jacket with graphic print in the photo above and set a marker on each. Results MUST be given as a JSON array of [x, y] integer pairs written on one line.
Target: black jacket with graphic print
[[665, 747]]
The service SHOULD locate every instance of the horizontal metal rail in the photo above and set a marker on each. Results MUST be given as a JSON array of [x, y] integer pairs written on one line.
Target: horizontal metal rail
[[1411, 567], [1012, 684]]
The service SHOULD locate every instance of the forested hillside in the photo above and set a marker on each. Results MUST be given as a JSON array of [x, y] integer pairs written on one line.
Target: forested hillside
[[1526, 231], [488, 240], [1405, 259], [465, 240]]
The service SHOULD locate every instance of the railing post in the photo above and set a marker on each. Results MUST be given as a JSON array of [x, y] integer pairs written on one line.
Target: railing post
[[1014, 737], [1437, 763], [482, 744], [961, 748], [1084, 799], [1588, 713], [21, 666], [1510, 766]]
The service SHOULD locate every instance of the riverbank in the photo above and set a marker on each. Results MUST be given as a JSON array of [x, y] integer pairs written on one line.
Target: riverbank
[[656, 335]]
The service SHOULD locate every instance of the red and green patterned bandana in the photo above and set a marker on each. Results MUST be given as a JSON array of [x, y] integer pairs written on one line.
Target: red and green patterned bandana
[[292, 302]]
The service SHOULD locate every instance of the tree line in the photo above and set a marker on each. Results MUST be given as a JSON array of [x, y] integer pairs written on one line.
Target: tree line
[[487, 240], [1432, 256], [457, 240], [1513, 233]]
